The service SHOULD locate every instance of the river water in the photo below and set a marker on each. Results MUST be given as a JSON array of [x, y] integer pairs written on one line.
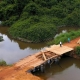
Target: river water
[[68, 69], [12, 50]]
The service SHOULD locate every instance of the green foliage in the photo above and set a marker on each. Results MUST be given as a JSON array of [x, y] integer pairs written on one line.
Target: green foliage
[[32, 9], [2, 3], [2, 63], [11, 20], [77, 50], [73, 18], [63, 10], [25, 15], [41, 32], [63, 37], [37, 33], [9, 1], [58, 12], [17, 29]]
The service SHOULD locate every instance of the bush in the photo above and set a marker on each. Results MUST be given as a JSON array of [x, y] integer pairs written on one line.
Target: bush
[[69, 20], [10, 21], [25, 15], [32, 9], [35, 33], [41, 32], [64, 37], [3, 63], [69, 15], [77, 50]]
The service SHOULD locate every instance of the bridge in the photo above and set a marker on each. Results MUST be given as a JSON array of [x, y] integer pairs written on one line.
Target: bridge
[[36, 60]]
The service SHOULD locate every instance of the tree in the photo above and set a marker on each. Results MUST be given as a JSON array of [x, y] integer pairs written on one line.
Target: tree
[[32, 9]]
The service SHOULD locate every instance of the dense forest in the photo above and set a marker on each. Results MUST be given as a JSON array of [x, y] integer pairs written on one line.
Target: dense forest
[[38, 20]]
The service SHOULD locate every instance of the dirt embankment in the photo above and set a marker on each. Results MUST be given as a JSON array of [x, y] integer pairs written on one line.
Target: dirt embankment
[[73, 44], [12, 73]]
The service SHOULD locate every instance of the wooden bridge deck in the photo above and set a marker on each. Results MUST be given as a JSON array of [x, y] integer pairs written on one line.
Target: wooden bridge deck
[[41, 57], [59, 50]]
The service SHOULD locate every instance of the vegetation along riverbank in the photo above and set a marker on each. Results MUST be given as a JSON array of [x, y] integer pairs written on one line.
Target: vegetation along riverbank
[[76, 52], [38, 21], [63, 37]]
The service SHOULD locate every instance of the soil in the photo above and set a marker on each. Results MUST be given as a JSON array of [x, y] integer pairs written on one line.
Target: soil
[[11, 73], [72, 43]]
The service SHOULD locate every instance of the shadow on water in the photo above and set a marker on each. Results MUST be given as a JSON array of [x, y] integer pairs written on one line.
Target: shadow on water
[[33, 46], [57, 71]]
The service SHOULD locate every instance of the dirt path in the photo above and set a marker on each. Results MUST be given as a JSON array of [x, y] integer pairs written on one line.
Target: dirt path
[[11, 73], [72, 43]]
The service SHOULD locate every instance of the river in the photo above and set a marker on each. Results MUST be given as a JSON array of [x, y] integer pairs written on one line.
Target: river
[[68, 69], [12, 50]]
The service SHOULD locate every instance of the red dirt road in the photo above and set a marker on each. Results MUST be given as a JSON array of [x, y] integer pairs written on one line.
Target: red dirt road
[[11, 73]]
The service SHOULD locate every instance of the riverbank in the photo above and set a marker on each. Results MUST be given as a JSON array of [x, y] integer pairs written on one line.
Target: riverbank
[[72, 44], [11, 73]]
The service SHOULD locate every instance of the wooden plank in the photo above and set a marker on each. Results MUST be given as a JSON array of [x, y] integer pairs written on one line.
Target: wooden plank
[[43, 55], [39, 62], [59, 50]]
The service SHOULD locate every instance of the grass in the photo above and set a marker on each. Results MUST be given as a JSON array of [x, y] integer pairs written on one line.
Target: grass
[[63, 37]]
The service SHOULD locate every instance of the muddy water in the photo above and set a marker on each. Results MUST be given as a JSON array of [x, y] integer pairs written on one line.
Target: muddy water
[[68, 69], [12, 50]]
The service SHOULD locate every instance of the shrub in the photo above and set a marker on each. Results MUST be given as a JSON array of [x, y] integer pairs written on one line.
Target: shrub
[[3, 63], [32, 9], [35, 33], [41, 32], [10, 21], [31, 13], [77, 50], [69, 20], [64, 37]]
